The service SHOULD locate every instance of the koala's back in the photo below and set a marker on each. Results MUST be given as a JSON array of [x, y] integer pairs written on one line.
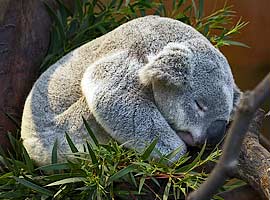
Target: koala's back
[[56, 103], [141, 37]]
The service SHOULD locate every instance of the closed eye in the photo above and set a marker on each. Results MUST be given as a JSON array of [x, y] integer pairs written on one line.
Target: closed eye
[[200, 106]]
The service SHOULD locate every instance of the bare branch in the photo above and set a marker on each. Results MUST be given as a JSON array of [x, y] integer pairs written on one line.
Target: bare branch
[[228, 163]]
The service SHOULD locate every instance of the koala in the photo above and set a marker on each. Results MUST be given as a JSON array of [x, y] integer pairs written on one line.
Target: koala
[[152, 77]]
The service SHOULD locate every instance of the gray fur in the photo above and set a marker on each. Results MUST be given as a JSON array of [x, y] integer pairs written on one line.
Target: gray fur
[[134, 84]]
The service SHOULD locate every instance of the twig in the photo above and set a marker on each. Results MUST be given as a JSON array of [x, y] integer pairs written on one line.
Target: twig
[[232, 146]]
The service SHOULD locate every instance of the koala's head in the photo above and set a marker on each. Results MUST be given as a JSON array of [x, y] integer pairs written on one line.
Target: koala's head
[[194, 90]]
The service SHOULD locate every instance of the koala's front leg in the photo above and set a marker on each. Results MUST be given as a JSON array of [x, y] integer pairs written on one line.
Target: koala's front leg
[[129, 115], [136, 121]]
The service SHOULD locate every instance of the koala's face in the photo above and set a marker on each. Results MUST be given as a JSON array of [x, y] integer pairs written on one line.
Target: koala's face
[[198, 111], [198, 108]]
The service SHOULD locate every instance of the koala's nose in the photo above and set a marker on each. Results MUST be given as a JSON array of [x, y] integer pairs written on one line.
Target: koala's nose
[[216, 132]]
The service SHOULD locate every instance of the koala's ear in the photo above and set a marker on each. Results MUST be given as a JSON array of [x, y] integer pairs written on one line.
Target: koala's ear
[[172, 66], [237, 94]]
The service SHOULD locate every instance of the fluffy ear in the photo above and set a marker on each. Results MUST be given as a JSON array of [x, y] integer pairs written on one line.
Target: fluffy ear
[[172, 66], [237, 94]]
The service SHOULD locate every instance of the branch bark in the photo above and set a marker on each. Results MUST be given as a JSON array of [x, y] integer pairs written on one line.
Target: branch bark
[[241, 193], [24, 39], [254, 160], [228, 163]]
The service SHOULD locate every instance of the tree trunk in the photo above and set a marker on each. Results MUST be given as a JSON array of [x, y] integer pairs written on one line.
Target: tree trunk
[[24, 40]]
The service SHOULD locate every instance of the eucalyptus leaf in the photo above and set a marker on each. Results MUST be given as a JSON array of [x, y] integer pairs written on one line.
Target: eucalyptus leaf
[[142, 180], [89, 131], [72, 146], [33, 186], [147, 152], [53, 167], [67, 181], [122, 172]]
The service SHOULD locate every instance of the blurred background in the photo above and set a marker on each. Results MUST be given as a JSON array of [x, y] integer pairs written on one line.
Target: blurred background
[[249, 65]]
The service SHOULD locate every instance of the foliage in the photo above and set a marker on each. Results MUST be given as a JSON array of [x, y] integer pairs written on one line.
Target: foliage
[[101, 171], [92, 18]]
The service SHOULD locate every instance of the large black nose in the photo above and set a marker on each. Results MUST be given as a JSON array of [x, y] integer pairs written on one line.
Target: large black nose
[[216, 132]]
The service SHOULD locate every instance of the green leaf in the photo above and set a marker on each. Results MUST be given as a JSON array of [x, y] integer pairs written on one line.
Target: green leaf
[[33, 186], [127, 2], [79, 9], [133, 180], [144, 164], [120, 4], [57, 195], [11, 195], [173, 153], [6, 175], [54, 152], [235, 43], [54, 167], [67, 181], [192, 165], [167, 190], [61, 176], [195, 9], [183, 159], [92, 153], [13, 142], [183, 190], [65, 9], [174, 4], [125, 193], [90, 132], [13, 119], [155, 181], [102, 29], [179, 4], [149, 149], [142, 180], [72, 146], [28, 161], [57, 20], [122, 173], [201, 6], [4, 160]]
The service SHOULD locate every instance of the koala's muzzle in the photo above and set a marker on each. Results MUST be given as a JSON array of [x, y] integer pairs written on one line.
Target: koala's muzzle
[[216, 132]]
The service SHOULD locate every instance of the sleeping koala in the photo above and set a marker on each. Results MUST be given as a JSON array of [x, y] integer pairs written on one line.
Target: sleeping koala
[[152, 77]]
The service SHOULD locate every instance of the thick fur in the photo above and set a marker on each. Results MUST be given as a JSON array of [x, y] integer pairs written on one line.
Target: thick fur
[[138, 82]]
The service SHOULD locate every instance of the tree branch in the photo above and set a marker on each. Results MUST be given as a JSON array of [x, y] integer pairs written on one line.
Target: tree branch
[[254, 160], [228, 163], [241, 193]]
